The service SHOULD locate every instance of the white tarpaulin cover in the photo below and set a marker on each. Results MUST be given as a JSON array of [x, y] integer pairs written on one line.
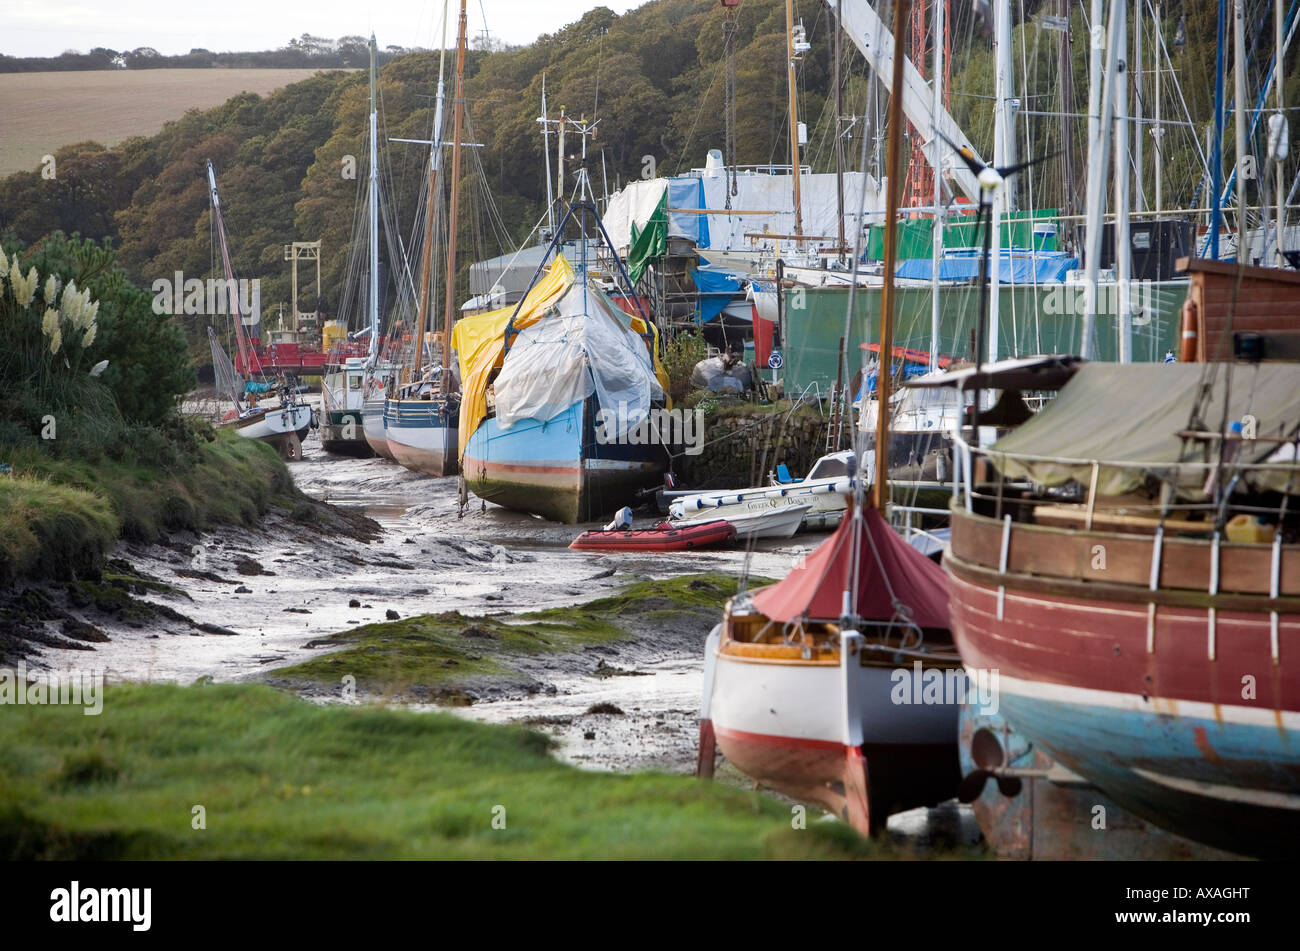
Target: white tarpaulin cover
[[632, 206], [636, 203], [582, 346], [817, 196]]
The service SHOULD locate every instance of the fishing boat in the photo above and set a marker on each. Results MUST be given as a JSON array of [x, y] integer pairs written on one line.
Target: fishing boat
[[1135, 581], [821, 496], [342, 398], [352, 387], [284, 424], [560, 392], [421, 417], [663, 537]]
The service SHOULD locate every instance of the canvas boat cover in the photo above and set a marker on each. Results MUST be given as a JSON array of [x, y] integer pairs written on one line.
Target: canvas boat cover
[[479, 343], [893, 579], [480, 340], [584, 344], [1126, 417]]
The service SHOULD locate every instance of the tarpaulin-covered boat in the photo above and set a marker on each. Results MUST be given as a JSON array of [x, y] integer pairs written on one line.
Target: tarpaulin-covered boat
[[571, 379]]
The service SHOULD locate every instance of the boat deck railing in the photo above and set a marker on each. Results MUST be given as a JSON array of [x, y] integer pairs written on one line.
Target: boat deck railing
[[1075, 501]]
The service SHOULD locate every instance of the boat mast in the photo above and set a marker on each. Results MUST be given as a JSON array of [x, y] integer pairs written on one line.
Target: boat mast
[[794, 115], [939, 212], [1279, 57], [546, 154], [1239, 94], [1122, 245], [885, 367], [1100, 97], [1069, 204], [435, 163], [374, 215], [839, 132], [1004, 154], [1157, 132], [1140, 199], [1216, 157], [449, 277], [229, 271]]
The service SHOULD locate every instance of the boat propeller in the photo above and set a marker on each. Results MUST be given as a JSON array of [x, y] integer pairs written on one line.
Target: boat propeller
[[989, 760]]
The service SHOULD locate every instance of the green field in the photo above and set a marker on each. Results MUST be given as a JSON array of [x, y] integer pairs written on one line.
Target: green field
[[39, 112]]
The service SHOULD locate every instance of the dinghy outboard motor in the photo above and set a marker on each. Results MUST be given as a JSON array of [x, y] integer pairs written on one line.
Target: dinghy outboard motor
[[622, 521]]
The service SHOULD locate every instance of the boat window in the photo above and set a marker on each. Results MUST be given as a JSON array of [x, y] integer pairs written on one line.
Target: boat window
[[829, 469], [354, 381]]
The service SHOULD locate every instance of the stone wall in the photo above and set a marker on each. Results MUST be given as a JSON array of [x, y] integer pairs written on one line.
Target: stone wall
[[741, 449]]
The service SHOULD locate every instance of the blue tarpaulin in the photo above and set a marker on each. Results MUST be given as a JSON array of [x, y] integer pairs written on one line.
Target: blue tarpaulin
[[688, 193], [716, 289], [1015, 267]]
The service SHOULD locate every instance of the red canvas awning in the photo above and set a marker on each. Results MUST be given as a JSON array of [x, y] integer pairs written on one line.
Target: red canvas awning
[[886, 563]]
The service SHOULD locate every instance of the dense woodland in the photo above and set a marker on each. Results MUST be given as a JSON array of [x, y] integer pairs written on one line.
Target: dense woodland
[[654, 77]]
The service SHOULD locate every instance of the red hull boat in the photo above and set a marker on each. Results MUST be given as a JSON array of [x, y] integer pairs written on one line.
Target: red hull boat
[[663, 537]]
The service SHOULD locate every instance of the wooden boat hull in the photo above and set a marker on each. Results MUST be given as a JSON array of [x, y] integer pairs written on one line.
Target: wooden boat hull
[[828, 730], [557, 468], [342, 432], [422, 434], [372, 425], [658, 539], [284, 427], [1182, 706], [1033, 808]]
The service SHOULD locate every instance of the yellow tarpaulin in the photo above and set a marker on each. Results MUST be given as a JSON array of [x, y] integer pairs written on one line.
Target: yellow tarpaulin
[[479, 342]]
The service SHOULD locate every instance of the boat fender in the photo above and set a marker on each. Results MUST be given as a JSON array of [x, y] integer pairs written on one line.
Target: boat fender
[[1191, 321]]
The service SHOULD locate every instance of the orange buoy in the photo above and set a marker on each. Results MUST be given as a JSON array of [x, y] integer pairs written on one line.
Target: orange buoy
[[1191, 321]]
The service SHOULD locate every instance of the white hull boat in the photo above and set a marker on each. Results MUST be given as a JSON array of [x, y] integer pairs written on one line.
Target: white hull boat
[[771, 522], [823, 492]]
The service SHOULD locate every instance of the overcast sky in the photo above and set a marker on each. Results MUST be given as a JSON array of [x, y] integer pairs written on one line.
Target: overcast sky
[[48, 27]]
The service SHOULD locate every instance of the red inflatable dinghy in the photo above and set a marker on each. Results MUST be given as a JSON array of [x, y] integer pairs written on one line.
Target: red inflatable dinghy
[[664, 537]]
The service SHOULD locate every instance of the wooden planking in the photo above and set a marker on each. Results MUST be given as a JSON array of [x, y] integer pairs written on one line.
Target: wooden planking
[[1123, 559]]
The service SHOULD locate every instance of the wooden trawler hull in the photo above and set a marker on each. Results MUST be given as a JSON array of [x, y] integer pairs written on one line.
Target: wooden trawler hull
[[1182, 705], [372, 427], [787, 722], [343, 432], [284, 427], [422, 434], [558, 468], [1029, 807]]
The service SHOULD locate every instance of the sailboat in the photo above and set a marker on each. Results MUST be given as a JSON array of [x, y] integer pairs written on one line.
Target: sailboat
[[283, 424], [420, 419], [816, 686], [347, 381], [559, 391]]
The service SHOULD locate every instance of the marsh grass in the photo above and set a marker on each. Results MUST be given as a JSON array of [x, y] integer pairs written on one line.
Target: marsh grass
[[281, 778]]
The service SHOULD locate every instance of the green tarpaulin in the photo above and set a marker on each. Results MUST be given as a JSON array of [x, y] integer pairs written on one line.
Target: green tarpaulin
[[1126, 417], [650, 242], [915, 235]]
